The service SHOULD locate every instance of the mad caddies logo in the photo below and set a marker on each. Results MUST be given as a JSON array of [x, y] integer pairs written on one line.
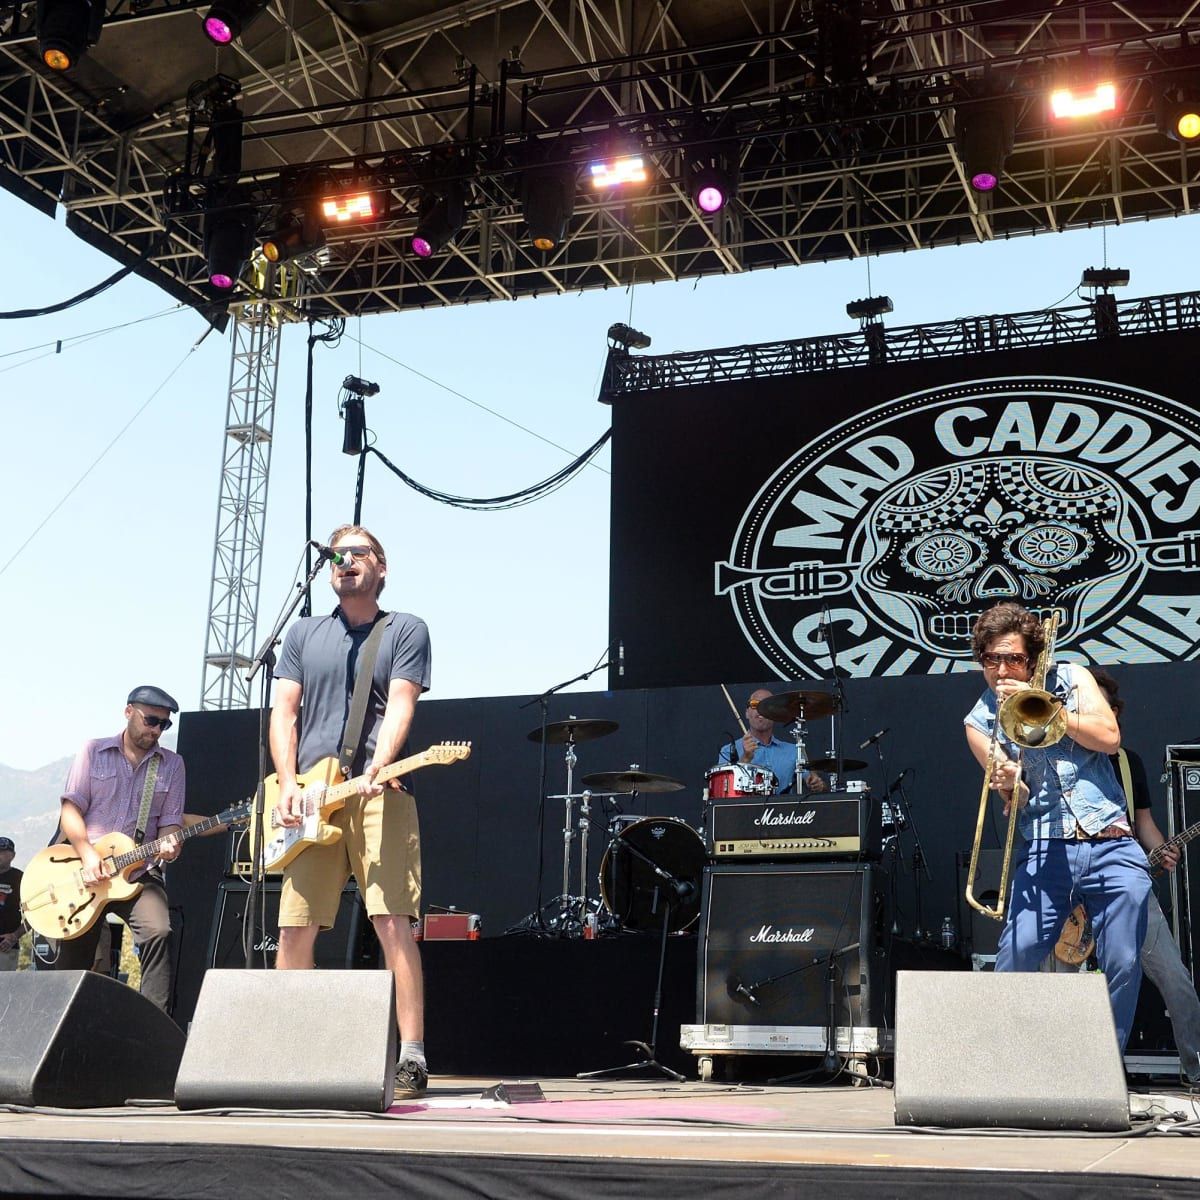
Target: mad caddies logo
[[907, 520]]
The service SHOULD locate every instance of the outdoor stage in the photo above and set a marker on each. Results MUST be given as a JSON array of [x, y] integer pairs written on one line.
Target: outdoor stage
[[611, 1139]]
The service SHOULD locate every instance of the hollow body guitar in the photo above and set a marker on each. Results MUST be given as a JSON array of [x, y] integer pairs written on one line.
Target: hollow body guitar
[[323, 795], [57, 903]]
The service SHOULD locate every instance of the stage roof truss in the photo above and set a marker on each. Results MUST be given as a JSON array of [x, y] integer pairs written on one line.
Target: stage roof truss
[[842, 148]]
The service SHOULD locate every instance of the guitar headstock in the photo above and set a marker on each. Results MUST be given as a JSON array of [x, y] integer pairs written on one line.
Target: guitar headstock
[[448, 752], [239, 814]]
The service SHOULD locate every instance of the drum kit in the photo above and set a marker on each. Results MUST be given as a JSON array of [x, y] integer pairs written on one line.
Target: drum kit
[[649, 861]]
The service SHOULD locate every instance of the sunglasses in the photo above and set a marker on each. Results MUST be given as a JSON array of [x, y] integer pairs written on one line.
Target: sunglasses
[[163, 723], [1009, 660], [354, 551]]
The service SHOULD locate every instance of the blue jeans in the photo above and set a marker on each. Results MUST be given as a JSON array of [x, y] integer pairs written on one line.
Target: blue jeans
[[1111, 878], [1165, 969]]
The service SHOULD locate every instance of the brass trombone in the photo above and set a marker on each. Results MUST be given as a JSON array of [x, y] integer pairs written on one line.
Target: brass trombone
[[1033, 718]]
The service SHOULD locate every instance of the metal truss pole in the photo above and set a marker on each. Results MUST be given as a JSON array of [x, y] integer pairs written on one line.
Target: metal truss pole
[[241, 506]]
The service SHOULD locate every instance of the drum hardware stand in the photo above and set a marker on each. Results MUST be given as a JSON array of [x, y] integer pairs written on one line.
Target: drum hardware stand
[[669, 893], [798, 731], [826, 634], [535, 922]]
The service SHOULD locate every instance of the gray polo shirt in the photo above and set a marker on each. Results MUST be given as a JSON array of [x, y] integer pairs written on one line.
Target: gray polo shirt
[[321, 654]]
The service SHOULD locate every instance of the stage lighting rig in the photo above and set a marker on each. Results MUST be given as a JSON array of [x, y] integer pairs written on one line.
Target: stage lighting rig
[[983, 135], [622, 336], [1076, 102], [353, 412], [297, 232], [228, 239], [65, 30], [1104, 278], [1177, 110], [870, 308], [441, 212], [548, 203], [225, 23], [618, 171]]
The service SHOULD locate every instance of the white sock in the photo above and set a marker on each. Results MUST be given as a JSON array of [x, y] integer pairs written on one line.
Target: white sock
[[413, 1052]]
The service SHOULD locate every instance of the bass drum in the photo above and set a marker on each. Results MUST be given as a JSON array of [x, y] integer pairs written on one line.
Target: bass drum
[[635, 893]]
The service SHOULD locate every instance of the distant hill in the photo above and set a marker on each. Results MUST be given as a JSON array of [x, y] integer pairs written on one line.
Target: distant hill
[[29, 803]]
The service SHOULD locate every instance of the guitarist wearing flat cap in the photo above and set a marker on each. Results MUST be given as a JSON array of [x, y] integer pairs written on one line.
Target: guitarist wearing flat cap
[[112, 783]]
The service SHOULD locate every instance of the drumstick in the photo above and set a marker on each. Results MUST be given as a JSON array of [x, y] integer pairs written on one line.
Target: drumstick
[[737, 716]]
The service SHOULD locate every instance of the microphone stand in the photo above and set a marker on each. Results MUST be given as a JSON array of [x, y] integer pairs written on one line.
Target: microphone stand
[[920, 862], [265, 658], [840, 691], [535, 923]]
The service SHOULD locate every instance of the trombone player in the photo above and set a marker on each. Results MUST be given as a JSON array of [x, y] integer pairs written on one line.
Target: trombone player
[[1077, 843]]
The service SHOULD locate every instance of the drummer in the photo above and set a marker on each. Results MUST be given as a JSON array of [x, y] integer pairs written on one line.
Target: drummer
[[761, 748]]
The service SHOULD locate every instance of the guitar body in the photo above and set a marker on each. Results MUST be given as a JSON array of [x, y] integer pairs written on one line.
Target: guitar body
[[1075, 942], [55, 900], [282, 843], [324, 791]]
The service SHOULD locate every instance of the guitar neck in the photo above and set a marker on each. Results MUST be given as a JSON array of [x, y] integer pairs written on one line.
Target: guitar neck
[[1180, 839], [151, 849], [343, 791]]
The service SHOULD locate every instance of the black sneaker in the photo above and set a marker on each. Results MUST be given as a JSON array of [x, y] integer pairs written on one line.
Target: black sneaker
[[411, 1080]]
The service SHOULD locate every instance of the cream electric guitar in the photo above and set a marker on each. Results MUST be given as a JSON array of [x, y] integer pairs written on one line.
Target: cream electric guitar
[[323, 796], [57, 903]]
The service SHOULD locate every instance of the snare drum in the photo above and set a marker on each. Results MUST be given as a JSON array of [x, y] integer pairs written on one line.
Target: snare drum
[[632, 889], [739, 779]]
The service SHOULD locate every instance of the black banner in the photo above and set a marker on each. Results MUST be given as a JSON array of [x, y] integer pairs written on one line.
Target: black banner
[[896, 503]]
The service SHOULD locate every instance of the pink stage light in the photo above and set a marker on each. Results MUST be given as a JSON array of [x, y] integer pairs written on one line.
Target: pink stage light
[[218, 31], [984, 181], [421, 248], [220, 280]]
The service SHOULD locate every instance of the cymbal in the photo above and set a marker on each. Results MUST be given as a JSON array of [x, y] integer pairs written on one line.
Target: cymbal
[[830, 764], [558, 733], [788, 706], [631, 781]]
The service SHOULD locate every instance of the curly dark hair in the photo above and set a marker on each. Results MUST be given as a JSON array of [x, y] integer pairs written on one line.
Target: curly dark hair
[[1108, 685], [1001, 619]]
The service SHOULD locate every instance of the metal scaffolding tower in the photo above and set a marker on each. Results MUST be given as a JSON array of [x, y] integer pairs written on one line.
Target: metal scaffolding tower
[[242, 506]]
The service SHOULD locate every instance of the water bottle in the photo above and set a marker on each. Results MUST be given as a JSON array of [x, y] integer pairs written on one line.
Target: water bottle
[[949, 937]]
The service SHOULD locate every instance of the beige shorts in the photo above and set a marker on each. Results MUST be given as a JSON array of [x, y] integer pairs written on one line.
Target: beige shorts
[[380, 846]]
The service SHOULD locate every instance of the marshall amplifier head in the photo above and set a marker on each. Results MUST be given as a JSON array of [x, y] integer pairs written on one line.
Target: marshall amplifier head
[[780, 943]]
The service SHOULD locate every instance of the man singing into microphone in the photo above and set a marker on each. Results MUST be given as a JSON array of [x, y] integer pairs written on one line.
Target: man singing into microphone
[[1078, 845], [761, 748]]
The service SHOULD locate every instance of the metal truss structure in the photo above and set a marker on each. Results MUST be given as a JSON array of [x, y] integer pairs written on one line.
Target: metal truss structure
[[626, 374], [242, 507], [840, 117]]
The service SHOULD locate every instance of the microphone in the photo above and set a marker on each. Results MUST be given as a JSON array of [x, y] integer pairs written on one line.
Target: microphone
[[328, 552], [621, 657], [740, 989], [822, 633], [873, 738], [683, 888], [733, 749], [897, 783]]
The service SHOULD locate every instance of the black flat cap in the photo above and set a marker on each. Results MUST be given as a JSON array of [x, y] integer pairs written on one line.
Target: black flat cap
[[154, 696]]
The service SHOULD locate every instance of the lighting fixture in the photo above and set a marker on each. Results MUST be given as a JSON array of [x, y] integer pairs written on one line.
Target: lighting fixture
[[711, 188], [352, 207], [1105, 277], [440, 215], [297, 232], [65, 30], [228, 240], [1177, 111], [869, 307], [616, 172], [1073, 103], [983, 135], [225, 23], [548, 201], [628, 338]]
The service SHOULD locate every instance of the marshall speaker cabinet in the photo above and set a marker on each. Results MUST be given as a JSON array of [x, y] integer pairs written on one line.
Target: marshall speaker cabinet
[[787, 952]]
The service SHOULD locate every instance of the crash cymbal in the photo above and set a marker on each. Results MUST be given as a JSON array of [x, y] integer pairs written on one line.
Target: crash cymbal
[[575, 729], [788, 706], [830, 764], [631, 781]]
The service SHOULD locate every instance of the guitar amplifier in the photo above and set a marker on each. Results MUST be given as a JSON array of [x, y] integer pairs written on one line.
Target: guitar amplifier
[[237, 856], [1183, 816], [834, 825], [350, 943], [783, 947]]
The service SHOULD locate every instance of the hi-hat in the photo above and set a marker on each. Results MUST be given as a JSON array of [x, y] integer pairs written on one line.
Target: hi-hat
[[830, 764], [631, 781], [793, 706], [558, 733]]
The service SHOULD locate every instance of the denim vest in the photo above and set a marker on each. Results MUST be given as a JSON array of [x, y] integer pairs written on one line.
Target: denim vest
[[1067, 784]]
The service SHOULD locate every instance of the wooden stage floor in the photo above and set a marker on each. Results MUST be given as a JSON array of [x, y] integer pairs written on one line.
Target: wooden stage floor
[[587, 1138]]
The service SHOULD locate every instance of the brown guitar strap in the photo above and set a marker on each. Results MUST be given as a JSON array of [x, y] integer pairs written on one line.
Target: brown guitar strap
[[367, 654]]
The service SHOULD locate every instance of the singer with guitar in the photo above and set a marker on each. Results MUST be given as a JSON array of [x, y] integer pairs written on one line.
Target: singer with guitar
[[379, 842], [128, 784]]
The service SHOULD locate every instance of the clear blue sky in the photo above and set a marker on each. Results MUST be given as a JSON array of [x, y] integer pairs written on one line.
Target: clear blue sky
[[114, 447]]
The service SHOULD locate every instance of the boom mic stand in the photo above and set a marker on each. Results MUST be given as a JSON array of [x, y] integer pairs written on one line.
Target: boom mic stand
[[670, 891], [266, 658]]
